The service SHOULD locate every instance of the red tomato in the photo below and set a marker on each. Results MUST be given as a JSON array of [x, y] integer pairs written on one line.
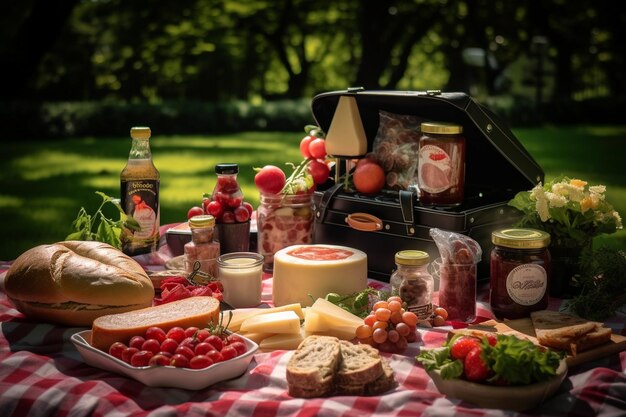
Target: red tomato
[[319, 171], [169, 345], [151, 345], [203, 348], [159, 360], [202, 334], [128, 353], [176, 333], [157, 333], [136, 342], [317, 148], [248, 207], [195, 211], [239, 347], [185, 351], [270, 179], [228, 217], [191, 331], [228, 352], [214, 340], [215, 209], [179, 361], [141, 358], [241, 214], [200, 362], [304, 146], [233, 338], [116, 349], [215, 356]]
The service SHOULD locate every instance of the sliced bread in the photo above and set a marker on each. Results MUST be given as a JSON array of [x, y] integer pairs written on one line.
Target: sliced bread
[[380, 385], [360, 364], [312, 367]]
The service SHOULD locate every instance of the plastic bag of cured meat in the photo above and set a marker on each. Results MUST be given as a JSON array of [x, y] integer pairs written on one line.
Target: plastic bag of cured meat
[[456, 268], [396, 147]]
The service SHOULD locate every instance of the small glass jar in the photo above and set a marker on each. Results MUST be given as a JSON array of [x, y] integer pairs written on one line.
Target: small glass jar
[[283, 220], [412, 282], [457, 290], [227, 191], [202, 248], [520, 272], [241, 276], [441, 164]]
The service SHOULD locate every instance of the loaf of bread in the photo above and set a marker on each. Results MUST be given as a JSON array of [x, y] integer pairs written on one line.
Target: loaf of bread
[[323, 365], [193, 311], [74, 282]]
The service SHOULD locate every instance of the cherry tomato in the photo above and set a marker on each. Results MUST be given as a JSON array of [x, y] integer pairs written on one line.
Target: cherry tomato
[[200, 362], [214, 340], [239, 347], [228, 352], [179, 361], [157, 333], [128, 353], [191, 342], [195, 211], [191, 331], [215, 356], [141, 358], [169, 345], [116, 349], [159, 360], [304, 146], [317, 148], [136, 342], [215, 209], [203, 348], [203, 334], [151, 345], [241, 214], [248, 207], [319, 171], [232, 338], [234, 202], [185, 351], [228, 217], [176, 333], [270, 179]]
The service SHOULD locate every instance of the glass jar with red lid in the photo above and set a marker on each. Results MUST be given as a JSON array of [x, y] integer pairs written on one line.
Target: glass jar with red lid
[[441, 165], [520, 272]]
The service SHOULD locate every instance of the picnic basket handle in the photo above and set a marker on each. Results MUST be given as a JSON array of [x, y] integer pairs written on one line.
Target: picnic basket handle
[[364, 222]]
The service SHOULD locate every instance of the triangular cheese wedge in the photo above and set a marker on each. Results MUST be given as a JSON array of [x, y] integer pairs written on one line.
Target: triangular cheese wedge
[[346, 136]]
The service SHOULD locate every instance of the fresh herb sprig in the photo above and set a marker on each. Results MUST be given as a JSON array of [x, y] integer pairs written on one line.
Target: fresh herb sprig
[[357, 303], [101, 228], [601, 282]]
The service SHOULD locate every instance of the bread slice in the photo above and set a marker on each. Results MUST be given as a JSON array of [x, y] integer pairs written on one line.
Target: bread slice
[[380, 385], [360, 364], [312, 367], [566, 332], [193, 311]]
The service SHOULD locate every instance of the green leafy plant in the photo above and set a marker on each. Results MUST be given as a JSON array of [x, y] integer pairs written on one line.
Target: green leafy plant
[[572, 211], [101, 228], [357, 303], [602, 280]]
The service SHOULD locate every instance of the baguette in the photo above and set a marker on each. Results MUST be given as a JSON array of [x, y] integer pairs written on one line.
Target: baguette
[[312, 367], [193, 311]]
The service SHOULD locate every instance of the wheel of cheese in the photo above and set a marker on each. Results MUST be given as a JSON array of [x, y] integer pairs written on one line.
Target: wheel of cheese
[[303, 273]]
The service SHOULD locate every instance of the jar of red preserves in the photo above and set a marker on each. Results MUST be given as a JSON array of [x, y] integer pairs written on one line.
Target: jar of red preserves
[[520, 272], [441, 165]]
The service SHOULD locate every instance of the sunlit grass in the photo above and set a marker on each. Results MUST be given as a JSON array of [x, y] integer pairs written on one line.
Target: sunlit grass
[[44, 184]]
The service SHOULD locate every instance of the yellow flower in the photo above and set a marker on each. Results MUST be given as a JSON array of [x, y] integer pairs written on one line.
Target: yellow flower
[[578, 183], [586, 204]]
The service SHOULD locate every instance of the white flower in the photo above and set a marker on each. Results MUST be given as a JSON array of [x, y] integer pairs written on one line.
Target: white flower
[[556, 200], [597, 189], [618, 219], [574, 192], [539, 194]]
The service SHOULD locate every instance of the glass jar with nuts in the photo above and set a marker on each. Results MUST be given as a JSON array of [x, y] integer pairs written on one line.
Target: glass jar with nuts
[[412, 282]]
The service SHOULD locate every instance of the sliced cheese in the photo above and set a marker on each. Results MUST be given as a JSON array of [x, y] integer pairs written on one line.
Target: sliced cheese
[[282, 342], [346, 135], [303, 273], [256, 337], [335, 314], [280, 322], [240, 315], [343, 333]]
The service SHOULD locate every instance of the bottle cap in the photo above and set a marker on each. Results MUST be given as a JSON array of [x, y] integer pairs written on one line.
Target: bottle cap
[[140, 132], [198, 222], [521, 238], [412, 257], [226, 169], [441, 128]]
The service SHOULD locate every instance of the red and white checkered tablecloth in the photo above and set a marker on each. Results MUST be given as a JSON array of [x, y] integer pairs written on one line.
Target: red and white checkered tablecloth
[[42, 374]]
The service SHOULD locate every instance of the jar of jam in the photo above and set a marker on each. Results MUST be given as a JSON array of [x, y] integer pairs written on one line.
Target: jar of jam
[[412, 282], [441, 164], [520, 272], [202, 249]]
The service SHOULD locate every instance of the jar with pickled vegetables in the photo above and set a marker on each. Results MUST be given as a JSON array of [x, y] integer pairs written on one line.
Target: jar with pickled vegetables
[[520, 272], [283, 220]]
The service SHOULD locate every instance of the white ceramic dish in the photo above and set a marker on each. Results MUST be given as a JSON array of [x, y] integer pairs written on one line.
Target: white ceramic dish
[[517, 398], [165, 376]]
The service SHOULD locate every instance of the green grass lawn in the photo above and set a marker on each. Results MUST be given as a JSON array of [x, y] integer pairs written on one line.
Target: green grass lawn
[[44, 184]]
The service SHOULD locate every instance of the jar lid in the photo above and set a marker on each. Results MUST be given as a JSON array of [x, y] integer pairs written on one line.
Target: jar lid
[[441, 128], [197, 222], [521, 238], [412, 257], [226, 169], [140, 132]]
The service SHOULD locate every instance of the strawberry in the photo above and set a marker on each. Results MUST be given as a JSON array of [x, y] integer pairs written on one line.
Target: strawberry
[[462, 346], [475, 367]]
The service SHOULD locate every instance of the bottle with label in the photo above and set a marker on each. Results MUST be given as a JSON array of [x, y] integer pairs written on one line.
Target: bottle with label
[[412, 282], [441, 164], [233, 229], [520, 272], [139, 182]]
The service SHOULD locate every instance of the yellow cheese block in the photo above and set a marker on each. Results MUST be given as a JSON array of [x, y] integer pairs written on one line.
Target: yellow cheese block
[[305, 271], [240, 315], [280, 322], [282, 342], [346, 135], [256, 337], [334, 314]]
